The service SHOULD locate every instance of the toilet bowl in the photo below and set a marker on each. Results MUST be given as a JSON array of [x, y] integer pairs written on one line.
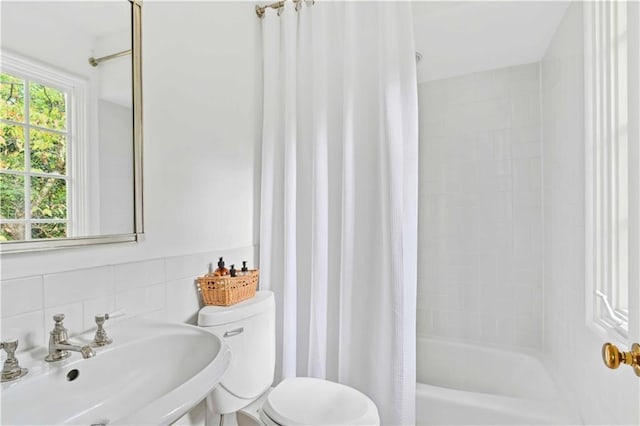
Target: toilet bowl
[[245, 389]]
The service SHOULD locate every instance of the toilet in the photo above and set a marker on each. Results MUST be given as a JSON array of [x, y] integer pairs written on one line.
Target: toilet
[[245, 389]]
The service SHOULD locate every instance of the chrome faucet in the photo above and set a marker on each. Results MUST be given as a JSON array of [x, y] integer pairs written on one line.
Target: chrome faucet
[[59, 347]]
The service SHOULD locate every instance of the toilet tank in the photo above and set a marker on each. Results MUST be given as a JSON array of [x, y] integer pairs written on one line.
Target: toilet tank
[[249, 329]]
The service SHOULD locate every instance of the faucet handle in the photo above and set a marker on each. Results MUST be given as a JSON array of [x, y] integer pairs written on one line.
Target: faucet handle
[[101, 318], [101, 338], [10, 346], [59, 326], [59, 332], [11, 369]]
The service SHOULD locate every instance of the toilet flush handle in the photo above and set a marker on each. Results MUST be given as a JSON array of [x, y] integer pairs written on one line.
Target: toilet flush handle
[[234, 332]]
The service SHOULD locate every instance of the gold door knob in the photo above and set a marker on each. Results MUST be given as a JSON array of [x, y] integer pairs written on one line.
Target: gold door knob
[[612, 357]]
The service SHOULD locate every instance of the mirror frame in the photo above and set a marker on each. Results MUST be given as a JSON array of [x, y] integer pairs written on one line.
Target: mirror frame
[[7, 247]]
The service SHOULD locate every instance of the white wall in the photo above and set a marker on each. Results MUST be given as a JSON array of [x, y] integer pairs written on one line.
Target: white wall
[[480, 246], [602, 396], [202, 97]]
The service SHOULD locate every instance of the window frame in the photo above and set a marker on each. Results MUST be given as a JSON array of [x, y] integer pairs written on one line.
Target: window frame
[[77, 136], [609, 224]]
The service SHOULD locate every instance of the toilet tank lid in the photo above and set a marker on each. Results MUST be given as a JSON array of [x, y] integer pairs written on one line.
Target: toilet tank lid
[[210, 316]]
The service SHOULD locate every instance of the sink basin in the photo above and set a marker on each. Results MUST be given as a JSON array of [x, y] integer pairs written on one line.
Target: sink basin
[[153, 373]]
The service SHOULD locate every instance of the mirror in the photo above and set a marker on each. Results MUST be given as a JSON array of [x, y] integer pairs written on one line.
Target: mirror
[[70, 124]]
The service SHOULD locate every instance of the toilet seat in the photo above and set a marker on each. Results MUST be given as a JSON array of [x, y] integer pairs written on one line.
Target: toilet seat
[[311, 401]]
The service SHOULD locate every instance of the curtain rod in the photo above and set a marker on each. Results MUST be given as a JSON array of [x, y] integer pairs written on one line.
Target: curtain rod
[[95, 61], [277, 5]]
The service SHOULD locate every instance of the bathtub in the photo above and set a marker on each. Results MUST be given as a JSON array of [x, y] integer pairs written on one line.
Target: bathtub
[[466, 384]]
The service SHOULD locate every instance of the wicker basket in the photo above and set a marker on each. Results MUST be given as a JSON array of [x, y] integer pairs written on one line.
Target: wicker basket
[[228, 290]]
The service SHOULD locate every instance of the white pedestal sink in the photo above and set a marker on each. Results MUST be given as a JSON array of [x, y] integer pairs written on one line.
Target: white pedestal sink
[[153, 373]]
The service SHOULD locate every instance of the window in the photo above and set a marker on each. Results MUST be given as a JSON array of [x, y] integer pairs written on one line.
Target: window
[[607, 168], [39, 136]]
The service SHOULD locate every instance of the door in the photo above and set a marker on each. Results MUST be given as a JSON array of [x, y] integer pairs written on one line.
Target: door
[[612, 238]]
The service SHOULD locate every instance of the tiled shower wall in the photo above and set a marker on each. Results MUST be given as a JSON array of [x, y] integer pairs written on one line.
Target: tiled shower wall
[[162, 288], [480, 238]]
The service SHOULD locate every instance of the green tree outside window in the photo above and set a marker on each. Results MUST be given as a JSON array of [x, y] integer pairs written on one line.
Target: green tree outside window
[[33, 160]]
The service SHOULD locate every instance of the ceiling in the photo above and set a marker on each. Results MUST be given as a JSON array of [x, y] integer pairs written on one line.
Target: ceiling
[[454, 37], [457, 38]]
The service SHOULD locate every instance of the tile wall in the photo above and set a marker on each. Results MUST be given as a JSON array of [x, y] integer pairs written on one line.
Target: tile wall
[[162, 288], [480, 238]]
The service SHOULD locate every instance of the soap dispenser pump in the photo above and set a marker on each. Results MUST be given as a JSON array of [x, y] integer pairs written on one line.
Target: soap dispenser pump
[[221, 271], [244, 270]]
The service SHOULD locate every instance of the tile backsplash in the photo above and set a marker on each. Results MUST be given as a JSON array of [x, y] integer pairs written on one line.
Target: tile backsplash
[[162, 288]]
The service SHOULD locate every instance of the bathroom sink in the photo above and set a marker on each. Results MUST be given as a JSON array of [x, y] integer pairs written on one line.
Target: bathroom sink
[[153, 373]]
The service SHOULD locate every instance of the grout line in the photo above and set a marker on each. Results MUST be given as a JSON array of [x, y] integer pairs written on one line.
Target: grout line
[[542, 208]]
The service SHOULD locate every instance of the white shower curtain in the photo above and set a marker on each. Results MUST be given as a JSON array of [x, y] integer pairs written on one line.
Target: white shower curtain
[[338, 228]]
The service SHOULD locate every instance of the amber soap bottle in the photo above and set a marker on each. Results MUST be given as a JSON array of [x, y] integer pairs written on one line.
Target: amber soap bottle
[[221, 271]]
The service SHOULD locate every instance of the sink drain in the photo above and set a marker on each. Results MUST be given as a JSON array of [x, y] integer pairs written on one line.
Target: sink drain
[[72, 375]]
